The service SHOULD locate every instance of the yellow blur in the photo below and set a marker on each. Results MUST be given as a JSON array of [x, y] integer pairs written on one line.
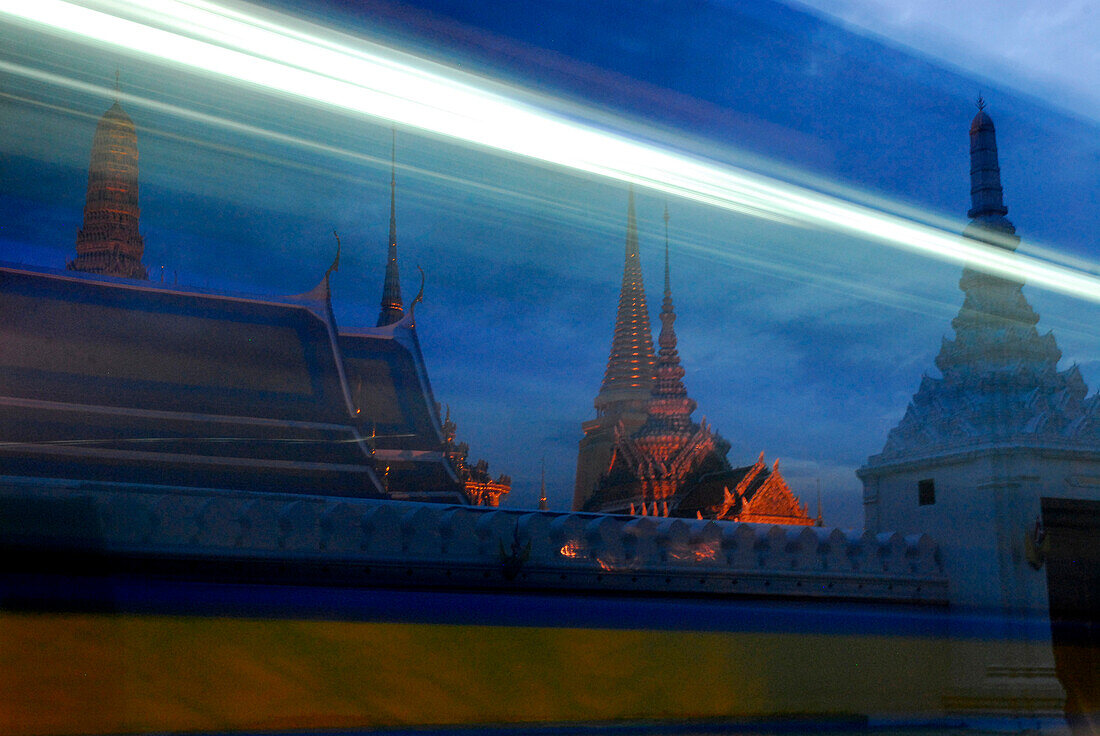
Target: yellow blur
[[97, 673]]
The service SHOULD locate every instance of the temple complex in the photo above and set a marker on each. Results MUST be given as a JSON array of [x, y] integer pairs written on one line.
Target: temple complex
[[102, 380], [643, 454], [109, 242]]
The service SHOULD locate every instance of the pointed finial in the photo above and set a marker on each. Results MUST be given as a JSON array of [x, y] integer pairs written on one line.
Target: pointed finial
[[543, 505], [981, 102], [668, 281], [420, 294], [820, 518], [116, 83], [419, 298], [335, 261]]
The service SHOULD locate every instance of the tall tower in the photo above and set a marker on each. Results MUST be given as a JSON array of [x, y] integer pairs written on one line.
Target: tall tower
[[109, 243], [631, 371], [670, 407], [391, 308], [983, 451]]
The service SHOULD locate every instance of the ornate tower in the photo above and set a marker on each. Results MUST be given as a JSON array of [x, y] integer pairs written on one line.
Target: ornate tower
[[629, 377], [109, 243], [669, 406], [391, 309], [1000, 375], [643, 454], [628, 381], [983, 452]]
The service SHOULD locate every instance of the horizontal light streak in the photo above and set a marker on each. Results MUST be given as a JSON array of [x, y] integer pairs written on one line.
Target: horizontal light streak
[[368, 79]]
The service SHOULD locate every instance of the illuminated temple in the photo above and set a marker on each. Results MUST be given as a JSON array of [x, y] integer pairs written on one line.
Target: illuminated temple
[[643, 454], [108, 378]]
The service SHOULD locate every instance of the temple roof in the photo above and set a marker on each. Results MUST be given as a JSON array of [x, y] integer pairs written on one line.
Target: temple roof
[[269, 397]]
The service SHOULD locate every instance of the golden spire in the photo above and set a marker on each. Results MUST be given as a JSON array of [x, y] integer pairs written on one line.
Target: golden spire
[[629, 377], [670, 408]]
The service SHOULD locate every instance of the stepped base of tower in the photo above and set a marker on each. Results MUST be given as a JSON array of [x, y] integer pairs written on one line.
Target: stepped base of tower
[[109, 264]]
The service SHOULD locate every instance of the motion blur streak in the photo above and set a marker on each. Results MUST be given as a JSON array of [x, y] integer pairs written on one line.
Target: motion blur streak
[[263, 49]]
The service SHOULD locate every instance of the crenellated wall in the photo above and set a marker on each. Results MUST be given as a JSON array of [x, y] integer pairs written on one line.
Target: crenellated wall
[[456, 545]]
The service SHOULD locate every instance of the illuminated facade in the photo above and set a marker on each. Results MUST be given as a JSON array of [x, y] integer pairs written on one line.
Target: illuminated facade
[[109, 242], [482, 488], [643, 454]]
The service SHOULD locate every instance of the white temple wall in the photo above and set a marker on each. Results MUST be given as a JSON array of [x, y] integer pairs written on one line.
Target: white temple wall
[[986, 503]]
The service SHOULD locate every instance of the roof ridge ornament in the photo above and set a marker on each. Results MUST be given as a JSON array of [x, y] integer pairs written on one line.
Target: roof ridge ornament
[[980, 103], [335, 261]]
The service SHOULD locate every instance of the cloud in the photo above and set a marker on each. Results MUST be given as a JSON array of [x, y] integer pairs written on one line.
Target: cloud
[[1047, 49]]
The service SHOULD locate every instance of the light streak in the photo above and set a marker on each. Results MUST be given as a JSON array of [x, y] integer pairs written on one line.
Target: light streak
[[322, 67]]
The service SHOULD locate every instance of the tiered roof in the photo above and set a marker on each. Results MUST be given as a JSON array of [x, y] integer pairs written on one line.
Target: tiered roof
[[109, 242], [1000, 379]]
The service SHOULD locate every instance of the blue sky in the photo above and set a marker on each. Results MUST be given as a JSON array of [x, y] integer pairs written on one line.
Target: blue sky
[[803, 345]]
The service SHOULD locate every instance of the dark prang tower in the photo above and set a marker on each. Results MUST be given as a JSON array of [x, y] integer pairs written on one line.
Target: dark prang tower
[[391, 308], [631, 371], [109, 243]]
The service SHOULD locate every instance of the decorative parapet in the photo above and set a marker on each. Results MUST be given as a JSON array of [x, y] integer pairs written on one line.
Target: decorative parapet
[[330, 538]]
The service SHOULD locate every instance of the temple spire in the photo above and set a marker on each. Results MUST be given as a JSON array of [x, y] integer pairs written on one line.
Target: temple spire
[[629, 377], [109, 242], [391, 308], [987, 208], [670, 407]]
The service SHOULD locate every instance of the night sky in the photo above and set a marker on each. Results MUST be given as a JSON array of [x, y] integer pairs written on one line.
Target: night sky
[[801, 344]]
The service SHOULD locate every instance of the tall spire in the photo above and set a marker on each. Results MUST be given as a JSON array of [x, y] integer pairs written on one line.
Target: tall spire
[[109, 243], [987, 208], [629, 377], [1000, 375], [670, 408], [392, 309]]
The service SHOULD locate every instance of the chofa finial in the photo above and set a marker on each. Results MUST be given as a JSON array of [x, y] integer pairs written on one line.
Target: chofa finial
[[335, 261], [981, 102]]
